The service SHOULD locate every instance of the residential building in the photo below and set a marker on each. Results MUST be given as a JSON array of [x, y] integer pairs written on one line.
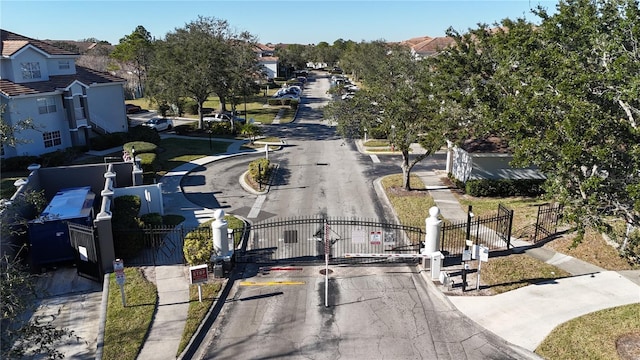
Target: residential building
[[268, 60], [65, 102]]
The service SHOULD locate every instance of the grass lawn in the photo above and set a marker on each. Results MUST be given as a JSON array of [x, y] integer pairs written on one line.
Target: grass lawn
[[174, 152], [256, 108], [593, 336], [198, 310], [411, 207], [126, 327]]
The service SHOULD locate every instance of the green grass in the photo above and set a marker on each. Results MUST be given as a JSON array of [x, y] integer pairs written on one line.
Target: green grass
[[198, 310], [411, 207], [255, 106], [502, 274], [591, 336], [175, 152], [126, 327]]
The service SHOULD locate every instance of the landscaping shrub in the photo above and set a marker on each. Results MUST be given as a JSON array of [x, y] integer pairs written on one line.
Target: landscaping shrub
[[185, 129], [143, 133], [58, 158], [259, 170], [141, 147], [198, 246], [128, 237], [151, 219], [18, 163], [108, 141], [504, 187], [147, 161]]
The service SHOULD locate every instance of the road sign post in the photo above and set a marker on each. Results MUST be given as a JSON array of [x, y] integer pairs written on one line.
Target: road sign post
[[327, 249], [197, 275]]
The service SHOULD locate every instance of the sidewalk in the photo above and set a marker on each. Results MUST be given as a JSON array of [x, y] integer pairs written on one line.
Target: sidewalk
[[526, 316]]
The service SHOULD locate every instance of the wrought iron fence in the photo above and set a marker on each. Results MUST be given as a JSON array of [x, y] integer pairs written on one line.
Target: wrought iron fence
[[158, 245], [493, 231], [305, 239], [547, 221]]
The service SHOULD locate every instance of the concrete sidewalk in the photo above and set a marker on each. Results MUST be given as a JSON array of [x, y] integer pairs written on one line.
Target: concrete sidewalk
[[525, 316]]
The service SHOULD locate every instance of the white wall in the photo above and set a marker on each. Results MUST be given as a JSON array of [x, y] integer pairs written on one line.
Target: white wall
[[28, 55], [33, 144], [106, 107]]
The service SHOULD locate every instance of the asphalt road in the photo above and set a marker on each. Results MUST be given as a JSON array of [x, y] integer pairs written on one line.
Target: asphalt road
[[371, 312]]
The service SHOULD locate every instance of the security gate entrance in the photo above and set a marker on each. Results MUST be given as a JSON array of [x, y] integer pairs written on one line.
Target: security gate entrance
[[299, 240]]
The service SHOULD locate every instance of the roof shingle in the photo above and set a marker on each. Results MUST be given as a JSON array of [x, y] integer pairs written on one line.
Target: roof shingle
[[12, 43]]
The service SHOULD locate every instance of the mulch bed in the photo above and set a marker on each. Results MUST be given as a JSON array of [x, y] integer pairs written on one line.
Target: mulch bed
[[628, 346]]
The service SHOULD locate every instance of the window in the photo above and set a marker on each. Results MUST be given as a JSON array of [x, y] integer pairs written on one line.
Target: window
[[51, 139], [30, 70], [63, 65], [46, 105]]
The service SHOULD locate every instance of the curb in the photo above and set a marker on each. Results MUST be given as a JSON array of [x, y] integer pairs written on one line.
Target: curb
[[103, 316]]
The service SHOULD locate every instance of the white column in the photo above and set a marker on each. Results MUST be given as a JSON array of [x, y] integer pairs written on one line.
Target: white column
[[219, 234], [433, 226]]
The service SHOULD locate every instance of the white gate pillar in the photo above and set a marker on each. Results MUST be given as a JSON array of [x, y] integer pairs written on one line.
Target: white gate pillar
[[219, 234], [433, 226]]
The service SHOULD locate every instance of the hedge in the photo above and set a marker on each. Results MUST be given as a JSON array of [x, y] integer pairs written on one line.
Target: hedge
[[504, 187]]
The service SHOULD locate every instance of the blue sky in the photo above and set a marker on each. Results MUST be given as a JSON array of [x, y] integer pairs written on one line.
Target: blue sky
[[300, 21]]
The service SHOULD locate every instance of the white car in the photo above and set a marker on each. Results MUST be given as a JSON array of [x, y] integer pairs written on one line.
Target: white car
[[291, 90], [223, 117], [159, 124]]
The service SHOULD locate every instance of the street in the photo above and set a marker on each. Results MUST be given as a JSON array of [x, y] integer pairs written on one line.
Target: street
[[371, 312]]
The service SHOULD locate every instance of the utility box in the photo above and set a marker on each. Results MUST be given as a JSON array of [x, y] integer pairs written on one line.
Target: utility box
[[437, 261], [49, 232]]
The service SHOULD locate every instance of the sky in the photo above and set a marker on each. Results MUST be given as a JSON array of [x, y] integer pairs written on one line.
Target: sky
[[300, 21]]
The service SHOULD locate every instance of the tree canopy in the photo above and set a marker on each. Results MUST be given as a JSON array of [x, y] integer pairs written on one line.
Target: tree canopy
[[136, 49], [564, 94], [203, 58]]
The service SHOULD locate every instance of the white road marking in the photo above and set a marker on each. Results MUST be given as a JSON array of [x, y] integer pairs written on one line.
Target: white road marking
[[255, 209], [374, 158]]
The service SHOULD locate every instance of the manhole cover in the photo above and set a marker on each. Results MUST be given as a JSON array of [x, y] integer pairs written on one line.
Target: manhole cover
[[324, 271]]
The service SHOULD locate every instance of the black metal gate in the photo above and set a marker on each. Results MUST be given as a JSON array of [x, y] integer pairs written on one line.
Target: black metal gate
[[493, 231], [547, 221], [85, 243], [307, 239], [151, 246]]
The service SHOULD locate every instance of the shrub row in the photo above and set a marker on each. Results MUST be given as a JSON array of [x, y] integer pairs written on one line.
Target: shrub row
[[55, 158], [138, 133], [504, 187]]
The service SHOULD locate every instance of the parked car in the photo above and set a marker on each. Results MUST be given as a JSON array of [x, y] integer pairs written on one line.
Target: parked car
[[132, 109], [290, 90], [159, 124], [223, 117]]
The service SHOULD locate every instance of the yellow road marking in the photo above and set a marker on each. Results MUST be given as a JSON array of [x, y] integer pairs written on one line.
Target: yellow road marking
[[270, 283]]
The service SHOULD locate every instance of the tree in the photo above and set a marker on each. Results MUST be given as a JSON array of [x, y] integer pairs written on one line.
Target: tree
[[19, 337], [293, 56], [9, 131], [136, 49], [196, 62], [564, 94], [396, 102]]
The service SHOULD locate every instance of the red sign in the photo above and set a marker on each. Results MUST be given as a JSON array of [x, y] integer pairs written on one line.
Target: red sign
[[198, 274]]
